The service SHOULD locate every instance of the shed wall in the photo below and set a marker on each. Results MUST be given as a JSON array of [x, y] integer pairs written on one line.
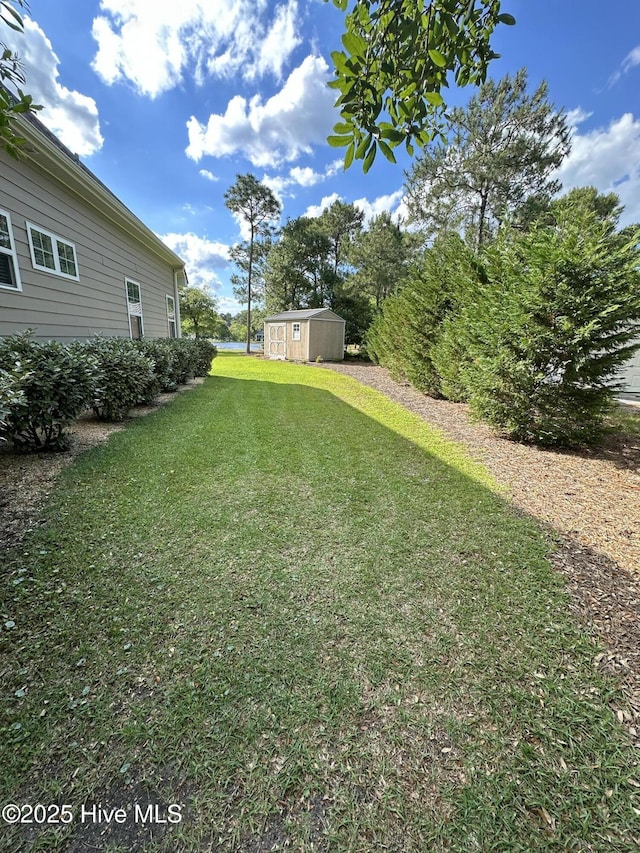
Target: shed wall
[[326, 339], [61, 308], [298, 349], [630, 374]]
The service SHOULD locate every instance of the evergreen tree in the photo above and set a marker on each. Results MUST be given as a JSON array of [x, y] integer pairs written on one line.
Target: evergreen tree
[[381, 256], [258, 208], [546, 336], [503, 147]]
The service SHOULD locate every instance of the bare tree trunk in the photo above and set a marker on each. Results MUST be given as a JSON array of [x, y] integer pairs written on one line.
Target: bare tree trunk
[[482, 216], [249, 293]]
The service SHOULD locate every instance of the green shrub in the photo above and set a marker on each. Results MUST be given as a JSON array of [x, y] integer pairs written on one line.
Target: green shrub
[[126, 376], [412, 321], [204, 353], [49, 385], [548, 334], [160, 353], [450, 360], [183, 366], [10, 394]]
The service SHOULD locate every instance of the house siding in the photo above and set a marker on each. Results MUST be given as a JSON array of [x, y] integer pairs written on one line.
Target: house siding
[[61, 308]]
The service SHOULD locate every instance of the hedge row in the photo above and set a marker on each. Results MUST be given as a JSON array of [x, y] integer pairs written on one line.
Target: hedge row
[[45, 386], [531, 333]]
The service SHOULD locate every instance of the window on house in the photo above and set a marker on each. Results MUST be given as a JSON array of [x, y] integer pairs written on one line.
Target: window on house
[[171, 317], [9, 273], [134, 307], [295, 332], [52, 253]]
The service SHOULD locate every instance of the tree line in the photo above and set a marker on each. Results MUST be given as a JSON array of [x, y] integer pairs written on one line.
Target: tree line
[[330, 261], [497, 290]]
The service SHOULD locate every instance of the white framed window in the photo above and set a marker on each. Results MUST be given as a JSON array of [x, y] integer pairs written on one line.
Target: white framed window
[[51, 253], [295, 332], [9, 272], [171, 317], [134, 309]]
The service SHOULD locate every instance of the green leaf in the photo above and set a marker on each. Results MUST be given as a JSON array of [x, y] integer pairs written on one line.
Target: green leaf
[[338, 141], [368, 160], [348, 157], [434, 98], [437, 58], [362, 147], [392, 134], [509, 20], [16, 23], [339, 59], [386, 150], [354, 44]]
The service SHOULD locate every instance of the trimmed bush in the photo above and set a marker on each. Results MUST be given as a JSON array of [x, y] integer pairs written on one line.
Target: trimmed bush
[[404, 336], [49, 386], [548, 334], [204, 353], [126, 376], [450, 360], [161, 354], [10, 394], [183, 365]]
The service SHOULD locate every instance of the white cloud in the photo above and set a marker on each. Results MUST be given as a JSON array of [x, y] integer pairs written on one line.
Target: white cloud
[[631, 60], [153, 45], [577, 116], [273, 132], [281, 185], [201, 256], [73, 117], [305, 177], [317, 209], [392, 203], [280, 41], [608, 159], [205, 173]]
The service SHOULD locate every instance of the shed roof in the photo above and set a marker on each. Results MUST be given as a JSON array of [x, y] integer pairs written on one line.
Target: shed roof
[[305, 314]]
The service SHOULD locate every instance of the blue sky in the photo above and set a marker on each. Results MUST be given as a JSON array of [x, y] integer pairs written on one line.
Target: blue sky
[[167, 101]]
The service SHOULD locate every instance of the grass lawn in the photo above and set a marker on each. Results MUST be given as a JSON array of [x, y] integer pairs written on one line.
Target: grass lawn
[[288, 606]]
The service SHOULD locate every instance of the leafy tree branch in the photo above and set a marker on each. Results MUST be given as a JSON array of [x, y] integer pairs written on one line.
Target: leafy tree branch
[[397, 57]]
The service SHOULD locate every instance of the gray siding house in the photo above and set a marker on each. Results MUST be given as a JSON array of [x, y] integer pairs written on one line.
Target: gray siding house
[[74, 261]]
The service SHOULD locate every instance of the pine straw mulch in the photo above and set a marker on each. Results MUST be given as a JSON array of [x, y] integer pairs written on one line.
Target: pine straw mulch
[[588, 502]]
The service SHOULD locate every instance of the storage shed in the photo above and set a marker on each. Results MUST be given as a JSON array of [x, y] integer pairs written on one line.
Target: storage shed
[[306, 335], [630, 375]]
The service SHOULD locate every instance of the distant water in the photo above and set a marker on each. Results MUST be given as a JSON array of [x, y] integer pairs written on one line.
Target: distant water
[[237, 345]]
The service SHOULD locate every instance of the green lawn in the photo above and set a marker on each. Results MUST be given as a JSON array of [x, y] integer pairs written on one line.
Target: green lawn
[[286, 604]]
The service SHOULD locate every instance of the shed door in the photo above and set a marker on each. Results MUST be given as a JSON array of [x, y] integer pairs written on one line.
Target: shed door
[[277, 341]]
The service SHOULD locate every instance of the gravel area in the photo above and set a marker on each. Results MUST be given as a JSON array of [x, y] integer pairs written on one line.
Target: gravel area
[[589, 502]]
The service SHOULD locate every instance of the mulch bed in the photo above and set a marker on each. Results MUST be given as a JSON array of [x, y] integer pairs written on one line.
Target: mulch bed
[[587, 501]]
